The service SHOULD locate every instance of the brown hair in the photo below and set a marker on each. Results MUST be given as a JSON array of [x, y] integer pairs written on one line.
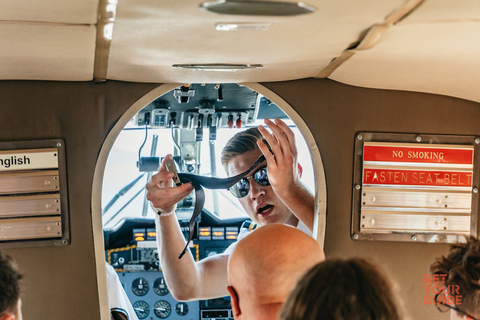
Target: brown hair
[[240, 143], [9, 284], [462, 267], [339, 289]]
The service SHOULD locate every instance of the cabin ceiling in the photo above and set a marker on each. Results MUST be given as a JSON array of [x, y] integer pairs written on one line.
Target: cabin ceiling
[[427, 46]]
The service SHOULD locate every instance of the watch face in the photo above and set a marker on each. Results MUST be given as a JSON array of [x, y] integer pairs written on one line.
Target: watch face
[[181, 308], [160, 287], [140, 286], [142, 309], [162, 309]]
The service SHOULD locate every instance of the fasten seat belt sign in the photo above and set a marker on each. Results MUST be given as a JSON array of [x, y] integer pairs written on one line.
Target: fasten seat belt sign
[[412, 190]]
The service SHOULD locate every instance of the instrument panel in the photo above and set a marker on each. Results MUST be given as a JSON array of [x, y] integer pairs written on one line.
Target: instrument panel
[[138, 268], [151, 298]]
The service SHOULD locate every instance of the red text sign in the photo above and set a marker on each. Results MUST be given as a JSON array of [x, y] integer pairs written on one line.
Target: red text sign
[[417, 177], [417, 154]]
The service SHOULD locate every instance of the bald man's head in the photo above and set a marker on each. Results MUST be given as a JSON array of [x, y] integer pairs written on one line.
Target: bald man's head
[[265, 266]]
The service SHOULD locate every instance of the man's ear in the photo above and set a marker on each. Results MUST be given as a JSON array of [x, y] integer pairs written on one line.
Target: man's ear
[[8, 316], [299, 169], [235, 303]]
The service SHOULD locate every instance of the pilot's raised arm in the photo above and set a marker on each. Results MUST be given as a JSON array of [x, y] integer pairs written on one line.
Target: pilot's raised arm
[[272, 193], [284, 171]]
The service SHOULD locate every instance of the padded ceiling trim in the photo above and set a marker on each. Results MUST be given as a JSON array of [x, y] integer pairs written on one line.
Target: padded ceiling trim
[[47, 52], [63, 11], [427, 57]]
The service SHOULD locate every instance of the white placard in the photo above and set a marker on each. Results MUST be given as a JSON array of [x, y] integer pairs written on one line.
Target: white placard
[[14, 160]]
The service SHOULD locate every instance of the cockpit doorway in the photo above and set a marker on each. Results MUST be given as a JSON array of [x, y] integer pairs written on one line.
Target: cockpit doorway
[[193, 122]]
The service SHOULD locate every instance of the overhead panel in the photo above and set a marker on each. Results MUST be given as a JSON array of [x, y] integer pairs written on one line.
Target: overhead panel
[[445, 11], [434, 49], [47, 52], [150, 37], [58, 11]]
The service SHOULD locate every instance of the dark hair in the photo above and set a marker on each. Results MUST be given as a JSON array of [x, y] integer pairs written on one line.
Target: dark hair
[[9, 284], [240, 143], [462, 267], [337, 289]]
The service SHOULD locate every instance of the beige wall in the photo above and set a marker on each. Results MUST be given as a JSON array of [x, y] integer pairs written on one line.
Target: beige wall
[[60, 283], [335, 112]]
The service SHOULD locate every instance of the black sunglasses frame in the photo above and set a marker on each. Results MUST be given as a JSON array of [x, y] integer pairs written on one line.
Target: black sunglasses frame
[[253, 175], [438, 303]]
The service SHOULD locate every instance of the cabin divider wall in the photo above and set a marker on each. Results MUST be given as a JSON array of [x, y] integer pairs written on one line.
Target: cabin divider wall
[[60, 282]]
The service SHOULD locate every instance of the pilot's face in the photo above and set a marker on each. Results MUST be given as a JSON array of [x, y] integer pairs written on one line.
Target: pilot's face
[[261, 203]]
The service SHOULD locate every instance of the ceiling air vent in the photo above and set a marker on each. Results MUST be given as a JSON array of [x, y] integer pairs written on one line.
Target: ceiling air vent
[[257, 8], [218, 67]]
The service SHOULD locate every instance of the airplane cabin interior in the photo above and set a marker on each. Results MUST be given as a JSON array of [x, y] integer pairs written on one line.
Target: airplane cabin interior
[[383, 98]]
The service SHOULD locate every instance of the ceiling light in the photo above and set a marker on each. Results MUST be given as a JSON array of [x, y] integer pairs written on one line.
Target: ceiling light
[[257, 8], [218, 67], [242, 26]]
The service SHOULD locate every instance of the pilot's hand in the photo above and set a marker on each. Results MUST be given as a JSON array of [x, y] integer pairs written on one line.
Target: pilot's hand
[[282, 164], [161, 191]]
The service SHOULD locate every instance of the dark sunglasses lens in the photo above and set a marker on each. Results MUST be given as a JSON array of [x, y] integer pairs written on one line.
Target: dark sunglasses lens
[[261, 177], [241, 188]]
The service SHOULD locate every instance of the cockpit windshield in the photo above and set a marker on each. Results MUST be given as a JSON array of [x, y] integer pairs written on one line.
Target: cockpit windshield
[[123, 193]]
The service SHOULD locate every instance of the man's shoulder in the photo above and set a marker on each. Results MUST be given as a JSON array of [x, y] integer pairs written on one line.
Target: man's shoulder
[[247, 227]]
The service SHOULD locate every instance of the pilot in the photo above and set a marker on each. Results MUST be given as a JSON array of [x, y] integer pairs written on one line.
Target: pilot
[[273, 196], [10, 302]]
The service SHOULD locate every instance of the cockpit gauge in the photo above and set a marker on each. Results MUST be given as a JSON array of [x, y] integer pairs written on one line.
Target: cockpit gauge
[[162, 309], [142, 309], [181, 308], [140, 286], [160, 287]]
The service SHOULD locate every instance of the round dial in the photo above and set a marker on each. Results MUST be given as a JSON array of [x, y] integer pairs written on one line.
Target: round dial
[[181, 308], [142, 309], [140, 286], [162, 309], [160, 287]]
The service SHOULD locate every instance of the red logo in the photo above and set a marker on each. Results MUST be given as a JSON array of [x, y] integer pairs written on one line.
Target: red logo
[[447, 294]]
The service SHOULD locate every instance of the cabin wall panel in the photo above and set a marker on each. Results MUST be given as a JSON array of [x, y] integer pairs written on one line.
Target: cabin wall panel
[[60, 282], [334, 113]]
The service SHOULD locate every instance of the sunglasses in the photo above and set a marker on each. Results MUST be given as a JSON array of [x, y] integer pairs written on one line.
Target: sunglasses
[[444, 307], [242, 187]]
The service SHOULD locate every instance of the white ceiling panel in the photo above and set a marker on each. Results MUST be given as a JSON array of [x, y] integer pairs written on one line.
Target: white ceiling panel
[[46, 52], [445, 11], [150, 36], [441, 58], [60, 11]]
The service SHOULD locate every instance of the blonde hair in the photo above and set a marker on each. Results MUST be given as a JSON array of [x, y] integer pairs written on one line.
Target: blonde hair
[[239, 144]]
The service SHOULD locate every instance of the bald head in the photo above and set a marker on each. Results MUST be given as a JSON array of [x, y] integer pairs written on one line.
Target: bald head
[[266, 265]]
